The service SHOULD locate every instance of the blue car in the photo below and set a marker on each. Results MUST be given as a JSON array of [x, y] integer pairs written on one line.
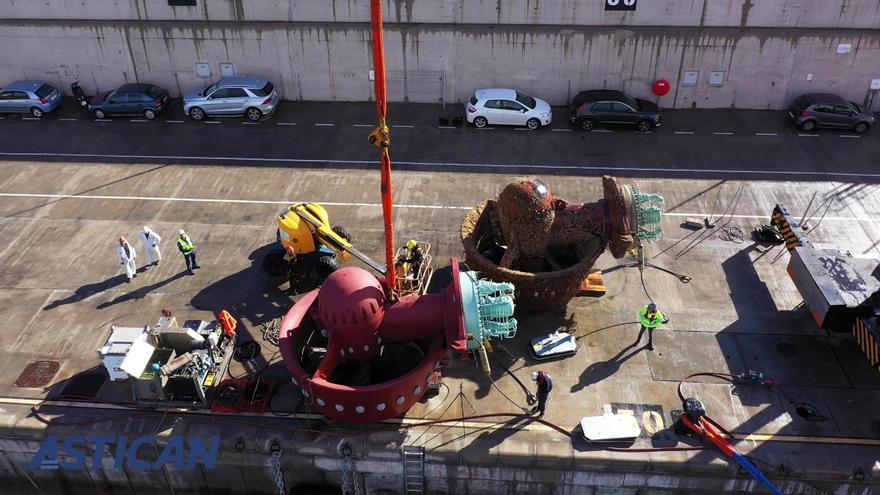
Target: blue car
[[34, 97], [131, 99]]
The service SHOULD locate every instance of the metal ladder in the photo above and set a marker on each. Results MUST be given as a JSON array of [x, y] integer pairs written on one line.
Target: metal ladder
[[413, 470]]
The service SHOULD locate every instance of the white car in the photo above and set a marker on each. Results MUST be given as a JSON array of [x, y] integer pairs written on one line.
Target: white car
[[507, 107]]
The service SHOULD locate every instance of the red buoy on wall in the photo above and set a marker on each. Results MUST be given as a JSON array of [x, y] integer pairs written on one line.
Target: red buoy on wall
[[661, 87]]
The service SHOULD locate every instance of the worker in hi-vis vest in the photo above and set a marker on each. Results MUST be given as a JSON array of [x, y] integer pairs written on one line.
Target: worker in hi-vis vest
[[188, 249], [650, 317]]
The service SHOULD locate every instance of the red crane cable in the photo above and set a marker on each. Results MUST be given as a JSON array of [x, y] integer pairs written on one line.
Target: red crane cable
[[382, 138]]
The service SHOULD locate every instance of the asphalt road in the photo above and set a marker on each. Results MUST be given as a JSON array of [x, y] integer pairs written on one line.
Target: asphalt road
[[724, 144]]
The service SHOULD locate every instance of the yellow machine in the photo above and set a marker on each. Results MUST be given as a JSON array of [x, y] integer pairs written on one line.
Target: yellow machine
[[306, 227], [317, 248]]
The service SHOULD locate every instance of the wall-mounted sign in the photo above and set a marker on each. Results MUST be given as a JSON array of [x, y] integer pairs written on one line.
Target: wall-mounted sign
[[844, 48], [203, 70], [716, 78], [875, 84], [620, 4], [690, 77]]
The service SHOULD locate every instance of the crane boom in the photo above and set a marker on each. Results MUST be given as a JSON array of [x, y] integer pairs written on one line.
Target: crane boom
[[381, 135]]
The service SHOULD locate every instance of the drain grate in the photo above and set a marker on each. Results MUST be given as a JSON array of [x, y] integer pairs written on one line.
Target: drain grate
[[85, 385], [37, 374]]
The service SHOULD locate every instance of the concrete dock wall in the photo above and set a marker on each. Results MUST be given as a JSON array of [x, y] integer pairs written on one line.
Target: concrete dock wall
[[430, 64], [843, 14], [523, 464], [440, 51]]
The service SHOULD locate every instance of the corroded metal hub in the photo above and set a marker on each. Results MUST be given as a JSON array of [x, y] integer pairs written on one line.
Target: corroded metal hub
[[545, 246]]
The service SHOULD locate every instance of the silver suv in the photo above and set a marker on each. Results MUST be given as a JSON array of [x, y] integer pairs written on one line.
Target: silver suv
[[251, 96]]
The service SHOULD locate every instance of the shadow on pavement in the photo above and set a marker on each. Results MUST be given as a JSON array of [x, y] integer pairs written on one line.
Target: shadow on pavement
[[253, 298], [141, 292], [87, 291], [601, 370]]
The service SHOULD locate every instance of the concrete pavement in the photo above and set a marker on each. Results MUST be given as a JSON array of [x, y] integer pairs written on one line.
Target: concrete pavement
[[61, 289]]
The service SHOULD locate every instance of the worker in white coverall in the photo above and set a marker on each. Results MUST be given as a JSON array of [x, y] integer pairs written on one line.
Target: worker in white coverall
[[151, 242], [126, 254]]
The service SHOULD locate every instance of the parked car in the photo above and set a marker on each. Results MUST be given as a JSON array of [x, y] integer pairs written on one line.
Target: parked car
[[34, 97], [507, 107], [814, 110], [251, 96], [131, 99], [591, 108]]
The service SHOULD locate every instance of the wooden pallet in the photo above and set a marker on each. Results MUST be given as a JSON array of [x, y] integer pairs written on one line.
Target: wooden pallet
[[593, 285]]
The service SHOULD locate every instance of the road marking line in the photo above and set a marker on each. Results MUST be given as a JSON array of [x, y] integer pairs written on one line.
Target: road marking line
[[103, 120], [250, 123], [443, 126], [138, 120], [602, 130], [808, 135], [404, 126], [446, 165], [766, 134], [325, 125], [363, 125], [521, 129], [187, 199], [2, 118], [68, 120], [285, 123], [683, 132], [30, 118], [561, 130], [723, 133], [213, 122], [849, 136], [174, 121], [485, 128]]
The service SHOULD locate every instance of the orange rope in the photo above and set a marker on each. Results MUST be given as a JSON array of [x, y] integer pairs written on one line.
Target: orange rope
[[382, 113]]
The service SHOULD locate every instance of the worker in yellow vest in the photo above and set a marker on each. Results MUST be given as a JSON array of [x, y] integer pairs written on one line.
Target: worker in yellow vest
[[188, 249], [650, 317]]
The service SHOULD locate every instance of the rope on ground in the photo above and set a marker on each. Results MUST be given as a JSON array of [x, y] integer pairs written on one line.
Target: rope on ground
[[731, 234], [270, 331]]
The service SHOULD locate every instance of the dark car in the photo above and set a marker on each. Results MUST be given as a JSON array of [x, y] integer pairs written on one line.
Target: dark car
[[131, 99], [590, 108], [814, 110]]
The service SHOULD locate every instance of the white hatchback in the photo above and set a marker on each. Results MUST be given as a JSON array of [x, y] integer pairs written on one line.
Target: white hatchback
[[507, 107]]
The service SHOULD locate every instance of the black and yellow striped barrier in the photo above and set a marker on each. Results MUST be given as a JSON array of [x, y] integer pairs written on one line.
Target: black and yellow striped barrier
[[868, 341], [792, 233]]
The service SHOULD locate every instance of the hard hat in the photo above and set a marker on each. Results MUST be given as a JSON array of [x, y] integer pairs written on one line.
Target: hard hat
[[535, 376], [146, 229], [412, 244], [652, 307], [181, 232]]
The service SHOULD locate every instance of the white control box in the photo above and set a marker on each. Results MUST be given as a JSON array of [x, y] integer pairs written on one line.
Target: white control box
[[114, 351]]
